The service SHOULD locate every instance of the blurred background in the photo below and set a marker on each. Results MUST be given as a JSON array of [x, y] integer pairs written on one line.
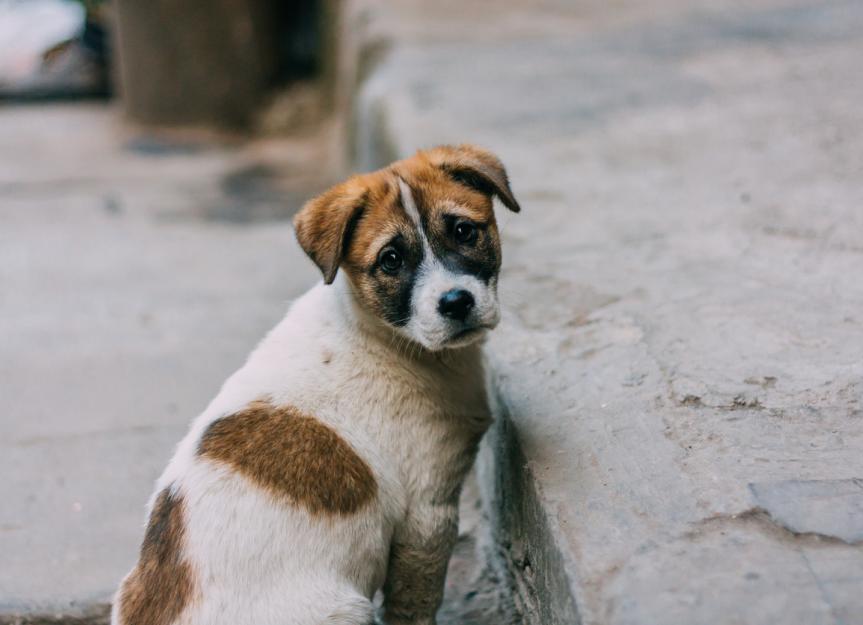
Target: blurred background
[[678, 375]]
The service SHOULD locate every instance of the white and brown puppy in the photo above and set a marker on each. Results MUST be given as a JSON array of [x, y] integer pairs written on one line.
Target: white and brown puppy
[[329, 466]]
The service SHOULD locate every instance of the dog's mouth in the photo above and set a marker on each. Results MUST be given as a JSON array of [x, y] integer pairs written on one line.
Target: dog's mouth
[[466, 336]]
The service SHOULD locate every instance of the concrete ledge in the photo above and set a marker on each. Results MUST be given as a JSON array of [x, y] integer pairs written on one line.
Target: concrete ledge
[[526, 543], [525, 552], [678, 370], [96, 613]]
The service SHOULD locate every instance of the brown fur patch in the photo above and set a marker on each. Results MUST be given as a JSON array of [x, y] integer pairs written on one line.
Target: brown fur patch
[[474, 167], [440, 191], [161, 584], [291, 455], [324, 225]]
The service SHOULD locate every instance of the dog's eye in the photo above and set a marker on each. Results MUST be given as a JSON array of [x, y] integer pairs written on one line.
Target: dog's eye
[[390, 260], [465, 232]]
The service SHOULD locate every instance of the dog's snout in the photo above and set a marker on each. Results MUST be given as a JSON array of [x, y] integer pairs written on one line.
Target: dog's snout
[[456, 304]]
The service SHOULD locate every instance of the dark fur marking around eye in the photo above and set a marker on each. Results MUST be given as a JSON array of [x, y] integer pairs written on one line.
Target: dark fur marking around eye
[[479, 258], [482, 265], [396, 305], [393, 292]]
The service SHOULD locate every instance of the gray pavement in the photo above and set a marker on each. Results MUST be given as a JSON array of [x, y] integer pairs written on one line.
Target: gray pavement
[[128, 292], [681, 364]]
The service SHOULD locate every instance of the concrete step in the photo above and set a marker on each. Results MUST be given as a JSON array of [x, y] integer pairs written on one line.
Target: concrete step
[[679, 369]]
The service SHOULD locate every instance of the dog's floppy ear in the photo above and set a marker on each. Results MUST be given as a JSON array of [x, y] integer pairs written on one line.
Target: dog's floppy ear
[[325, 224], [476, 168]]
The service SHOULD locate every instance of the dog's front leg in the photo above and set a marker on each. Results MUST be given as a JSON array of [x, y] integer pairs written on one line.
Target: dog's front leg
[[419, 554]]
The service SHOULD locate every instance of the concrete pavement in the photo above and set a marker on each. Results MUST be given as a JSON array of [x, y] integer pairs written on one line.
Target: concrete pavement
[[136, 273], [680, 366]]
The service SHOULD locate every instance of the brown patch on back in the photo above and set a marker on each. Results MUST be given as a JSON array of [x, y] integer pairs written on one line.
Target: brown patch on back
[[161, 584], [291, 455]]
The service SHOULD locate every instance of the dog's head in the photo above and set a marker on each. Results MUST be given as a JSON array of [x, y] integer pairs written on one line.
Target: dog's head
[[418, 242]]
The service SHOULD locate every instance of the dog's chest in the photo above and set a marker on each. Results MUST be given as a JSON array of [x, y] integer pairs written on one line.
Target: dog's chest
[[425, 422], [436, 444], [417, 421]]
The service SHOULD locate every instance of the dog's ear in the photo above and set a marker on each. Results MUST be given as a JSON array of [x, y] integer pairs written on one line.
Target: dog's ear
[[325, 224], [476, 168]]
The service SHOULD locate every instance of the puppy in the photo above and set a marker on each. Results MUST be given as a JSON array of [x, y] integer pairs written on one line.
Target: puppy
[[330, 465]]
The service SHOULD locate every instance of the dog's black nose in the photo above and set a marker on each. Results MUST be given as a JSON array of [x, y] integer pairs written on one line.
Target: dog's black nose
[[455, 304]]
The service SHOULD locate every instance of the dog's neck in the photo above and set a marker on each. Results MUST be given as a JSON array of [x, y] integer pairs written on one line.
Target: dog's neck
[[374, 329]]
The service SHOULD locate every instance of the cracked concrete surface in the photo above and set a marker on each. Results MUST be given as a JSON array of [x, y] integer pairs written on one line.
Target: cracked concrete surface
[[682, 354]]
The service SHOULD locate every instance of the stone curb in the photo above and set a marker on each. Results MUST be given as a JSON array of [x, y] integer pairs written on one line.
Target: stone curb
[[525, 552]]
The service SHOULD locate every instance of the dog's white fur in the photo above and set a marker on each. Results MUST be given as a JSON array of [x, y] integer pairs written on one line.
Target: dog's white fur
[[415, 416]]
